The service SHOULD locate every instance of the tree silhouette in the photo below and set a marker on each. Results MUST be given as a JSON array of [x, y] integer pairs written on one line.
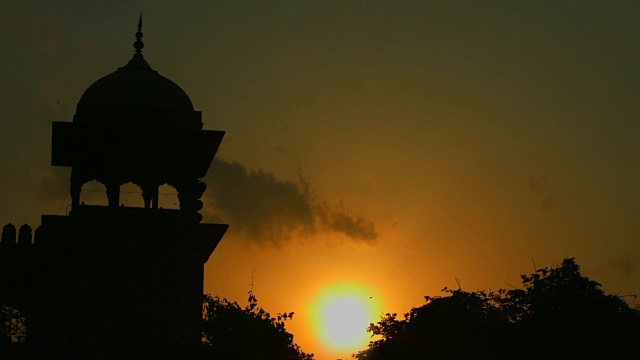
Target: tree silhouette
[[559, 314], [463, 325], [229, 332], [234, 332], [567, 314], [12, 329]]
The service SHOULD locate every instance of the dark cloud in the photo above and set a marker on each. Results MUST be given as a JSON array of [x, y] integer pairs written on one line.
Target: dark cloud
[[265, 209], [341, 220], [256, 203]]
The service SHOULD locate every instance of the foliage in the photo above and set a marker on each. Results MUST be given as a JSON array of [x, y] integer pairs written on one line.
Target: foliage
[[234, 332], [568, 314], [463, 325], [229, 332], [559, 314], [12, 329]]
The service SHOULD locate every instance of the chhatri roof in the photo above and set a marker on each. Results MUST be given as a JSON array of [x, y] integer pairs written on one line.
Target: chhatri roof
[[137, 85]]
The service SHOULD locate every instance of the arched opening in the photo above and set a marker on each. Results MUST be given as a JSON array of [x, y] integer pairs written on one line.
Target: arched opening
[[94, 193], [131, 195], [168, 197]]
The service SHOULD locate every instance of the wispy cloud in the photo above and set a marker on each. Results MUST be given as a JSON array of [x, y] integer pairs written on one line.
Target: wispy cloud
[[264, 209]]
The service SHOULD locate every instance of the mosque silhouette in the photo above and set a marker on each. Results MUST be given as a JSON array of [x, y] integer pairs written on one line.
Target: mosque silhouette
[[108, 280]]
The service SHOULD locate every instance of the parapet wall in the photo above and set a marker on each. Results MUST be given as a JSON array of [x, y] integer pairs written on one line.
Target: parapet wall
[[23, 237], [20, 265], [128, 264]]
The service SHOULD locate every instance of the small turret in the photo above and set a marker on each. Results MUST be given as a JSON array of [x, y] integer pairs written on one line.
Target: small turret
[[9, 234], [25, 235]]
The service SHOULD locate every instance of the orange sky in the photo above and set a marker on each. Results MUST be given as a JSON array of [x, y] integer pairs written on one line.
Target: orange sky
[[399, 144]]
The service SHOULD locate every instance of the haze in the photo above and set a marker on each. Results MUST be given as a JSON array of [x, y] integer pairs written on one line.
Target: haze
[[397, 144]]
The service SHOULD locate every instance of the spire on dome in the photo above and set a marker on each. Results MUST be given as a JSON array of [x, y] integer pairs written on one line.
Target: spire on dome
[[138, 60], [138, 44]]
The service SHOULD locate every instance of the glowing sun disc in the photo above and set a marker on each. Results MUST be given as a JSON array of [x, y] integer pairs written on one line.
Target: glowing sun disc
[[342, 313]]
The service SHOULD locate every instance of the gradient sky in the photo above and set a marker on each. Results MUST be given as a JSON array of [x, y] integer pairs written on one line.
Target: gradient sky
[[397, 144]]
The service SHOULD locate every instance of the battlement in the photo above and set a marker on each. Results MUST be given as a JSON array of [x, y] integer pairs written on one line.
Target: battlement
[[17, 250], [106, 254], [20, 265], [24, 236]]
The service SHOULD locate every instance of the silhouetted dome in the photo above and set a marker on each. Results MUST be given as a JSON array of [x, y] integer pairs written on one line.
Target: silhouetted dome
[[137, 85]]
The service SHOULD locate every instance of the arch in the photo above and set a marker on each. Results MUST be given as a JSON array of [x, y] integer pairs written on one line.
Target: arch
[[168, 197], [131, 195], [94, 193]]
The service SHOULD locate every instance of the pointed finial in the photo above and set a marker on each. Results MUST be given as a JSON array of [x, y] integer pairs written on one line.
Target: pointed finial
[[138, 45]]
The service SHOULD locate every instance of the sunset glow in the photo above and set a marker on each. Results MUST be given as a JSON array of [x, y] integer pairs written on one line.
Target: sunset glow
[[374, 152]]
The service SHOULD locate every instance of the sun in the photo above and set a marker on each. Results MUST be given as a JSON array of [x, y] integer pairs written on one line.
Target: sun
[[342, 312], [343, 319]]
